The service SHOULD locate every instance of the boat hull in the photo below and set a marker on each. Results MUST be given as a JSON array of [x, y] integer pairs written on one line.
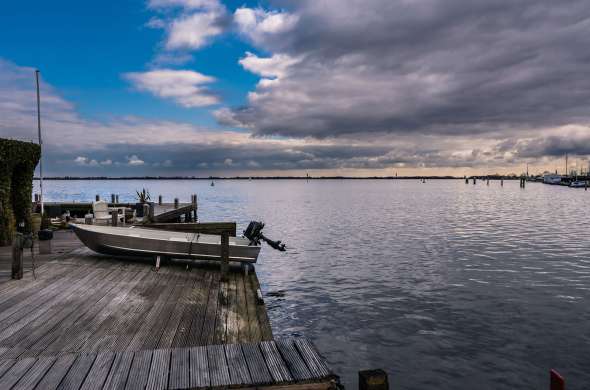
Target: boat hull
[[149, 243]]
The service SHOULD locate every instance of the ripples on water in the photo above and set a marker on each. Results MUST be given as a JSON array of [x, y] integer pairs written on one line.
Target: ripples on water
[[445, 285]]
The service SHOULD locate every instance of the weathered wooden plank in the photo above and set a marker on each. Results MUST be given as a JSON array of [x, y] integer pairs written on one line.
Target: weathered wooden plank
[[218, 369], [316, 364], [179, 369], [238, 369], [75, 324], [35, 373], [208, 332], [222, 313], [117, 377], [77, 373], [232, 312], [56, 374], [263, 321], [294, 361], [57, 314], [140, 368], [191, 313], [199, 367], [15, 373], [243, 325], [159, 369], [5, 365], [99, 371], [256, 364], [275, 363], [251, 306]]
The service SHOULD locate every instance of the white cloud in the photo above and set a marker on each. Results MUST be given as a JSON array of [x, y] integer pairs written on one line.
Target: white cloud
[[260, 25], [187, 4], [183, 86], [193, 31], [106, 162], [134, 160], [275, 66], [228, 162]]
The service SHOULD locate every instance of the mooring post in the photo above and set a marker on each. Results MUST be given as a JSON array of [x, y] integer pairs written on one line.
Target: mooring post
[[175, 203], [373, 380], [473, 180], [159, 200], [195, 207], [97, 197], [114, 217], [117, 198], [151, 212], [36, 198], [17, 256], [113, 199], [556, 381], [501, 182], [146, 212], [224, 254], [488, 182]]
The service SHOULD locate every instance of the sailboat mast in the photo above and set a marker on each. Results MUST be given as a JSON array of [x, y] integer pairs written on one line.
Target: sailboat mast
[[40, 141]]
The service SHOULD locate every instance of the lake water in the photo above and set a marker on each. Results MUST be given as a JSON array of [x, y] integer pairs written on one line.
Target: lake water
[[444, 285]]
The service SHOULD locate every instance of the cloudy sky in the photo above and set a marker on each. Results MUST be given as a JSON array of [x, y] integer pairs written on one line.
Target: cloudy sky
[[329, 87]]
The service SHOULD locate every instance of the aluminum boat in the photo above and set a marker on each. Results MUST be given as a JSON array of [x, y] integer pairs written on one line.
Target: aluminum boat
[[148, 243]]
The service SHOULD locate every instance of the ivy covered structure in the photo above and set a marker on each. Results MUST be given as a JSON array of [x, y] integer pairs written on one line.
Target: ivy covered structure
[[17, 165]]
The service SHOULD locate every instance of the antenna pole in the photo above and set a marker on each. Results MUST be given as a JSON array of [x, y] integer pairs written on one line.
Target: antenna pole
[[40, 141]]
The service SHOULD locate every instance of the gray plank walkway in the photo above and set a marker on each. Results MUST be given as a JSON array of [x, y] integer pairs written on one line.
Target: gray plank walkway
[[211, 366]]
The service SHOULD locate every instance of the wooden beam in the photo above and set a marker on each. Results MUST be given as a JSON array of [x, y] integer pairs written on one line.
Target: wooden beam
[[224, 254]]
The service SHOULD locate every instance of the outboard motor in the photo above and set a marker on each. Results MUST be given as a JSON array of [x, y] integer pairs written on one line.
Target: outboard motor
[[254, 233]]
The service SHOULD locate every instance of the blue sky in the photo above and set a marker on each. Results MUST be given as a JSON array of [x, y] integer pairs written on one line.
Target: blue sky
[[287, 87], [84, 48]]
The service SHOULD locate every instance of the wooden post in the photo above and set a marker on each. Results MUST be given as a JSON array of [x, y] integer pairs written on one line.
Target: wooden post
[[157, 263], [160, 200], [175, 203], [146, 212], [556, 381], [224, 254], [36, 198], [151, 212], [113, 199], [474, 180], [17, 257], [97, 197], [114, 217], [373, 380], [117, 198], [502, 182]]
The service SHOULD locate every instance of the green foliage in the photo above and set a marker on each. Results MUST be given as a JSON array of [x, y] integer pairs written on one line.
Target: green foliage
[[143, 196], [17, 165]]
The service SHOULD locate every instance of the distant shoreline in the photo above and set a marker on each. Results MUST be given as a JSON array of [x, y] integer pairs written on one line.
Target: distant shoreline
[[494, 177]]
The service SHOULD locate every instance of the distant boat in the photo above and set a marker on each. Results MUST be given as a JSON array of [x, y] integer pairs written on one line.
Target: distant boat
[[552, 179], [578, 184], [148, 243], [212, 183]]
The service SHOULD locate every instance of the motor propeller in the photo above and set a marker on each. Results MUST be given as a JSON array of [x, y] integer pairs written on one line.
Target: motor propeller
[[254, 233]]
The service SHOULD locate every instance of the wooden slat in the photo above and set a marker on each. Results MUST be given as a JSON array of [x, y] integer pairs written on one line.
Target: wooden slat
[[238, 370], [209, 325], [316, 364], [263, 321], [99, 371], [256, 364], [243, 324], [35, 373], [139, 372], [232, 312], [294, 361], [159, 369], [218, 369], [275, 363], [117, 377], [179, 369], [193, 311], [15, 373], [77, 373], [56, 374], [199, 367]]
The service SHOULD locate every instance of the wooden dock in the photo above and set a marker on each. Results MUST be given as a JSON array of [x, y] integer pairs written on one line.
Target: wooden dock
[[90, 321]]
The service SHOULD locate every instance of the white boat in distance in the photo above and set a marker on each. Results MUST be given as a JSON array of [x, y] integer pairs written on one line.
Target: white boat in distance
[[578, 184], [148, 243]]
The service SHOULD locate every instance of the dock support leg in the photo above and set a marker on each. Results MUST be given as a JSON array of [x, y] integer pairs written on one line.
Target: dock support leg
[[373, 380], [224, 254], [17, 257]]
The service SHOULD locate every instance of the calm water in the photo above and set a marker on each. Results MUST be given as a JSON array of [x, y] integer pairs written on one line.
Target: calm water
[[444, 285]]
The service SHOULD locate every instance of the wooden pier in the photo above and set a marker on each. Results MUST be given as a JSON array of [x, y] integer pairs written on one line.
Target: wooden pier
[[90, 321]]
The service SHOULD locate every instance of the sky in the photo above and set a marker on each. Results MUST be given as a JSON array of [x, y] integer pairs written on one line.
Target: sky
[[289, 87]]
